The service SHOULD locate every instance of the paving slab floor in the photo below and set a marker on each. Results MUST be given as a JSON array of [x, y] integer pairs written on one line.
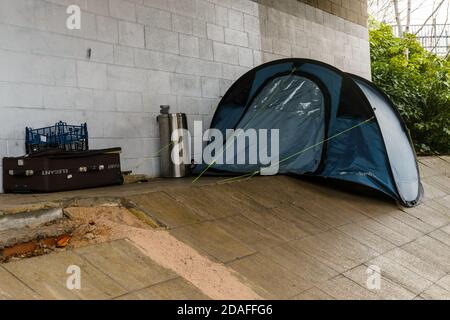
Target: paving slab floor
[[274, 237]]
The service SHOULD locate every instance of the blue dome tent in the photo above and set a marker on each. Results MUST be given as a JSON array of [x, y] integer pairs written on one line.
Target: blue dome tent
[[331, 124]]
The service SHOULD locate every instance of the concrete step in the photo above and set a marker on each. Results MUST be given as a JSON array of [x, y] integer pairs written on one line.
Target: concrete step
[[30, 215]]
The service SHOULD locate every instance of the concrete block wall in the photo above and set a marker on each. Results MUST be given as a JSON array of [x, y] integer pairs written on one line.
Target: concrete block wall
[[352, 10], [144, 53]]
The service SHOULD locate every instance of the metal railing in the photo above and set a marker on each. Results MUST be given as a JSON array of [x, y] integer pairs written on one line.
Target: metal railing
[[433, 37]]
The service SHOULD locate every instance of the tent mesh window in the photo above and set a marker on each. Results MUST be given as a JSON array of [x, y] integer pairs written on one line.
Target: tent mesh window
[[295, 106]]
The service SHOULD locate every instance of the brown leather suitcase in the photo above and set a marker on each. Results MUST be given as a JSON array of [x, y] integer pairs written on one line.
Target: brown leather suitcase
[[53, 171]]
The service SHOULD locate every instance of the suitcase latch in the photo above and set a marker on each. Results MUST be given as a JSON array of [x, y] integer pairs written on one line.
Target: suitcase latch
[[92, 169], [21, 173]]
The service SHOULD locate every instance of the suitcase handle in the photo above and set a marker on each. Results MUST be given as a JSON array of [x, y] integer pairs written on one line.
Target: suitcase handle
[[21, 173]]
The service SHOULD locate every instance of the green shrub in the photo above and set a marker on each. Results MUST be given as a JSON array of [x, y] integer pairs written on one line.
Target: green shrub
[[418, 83]]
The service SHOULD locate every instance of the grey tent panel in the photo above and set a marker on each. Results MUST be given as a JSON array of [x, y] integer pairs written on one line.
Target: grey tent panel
[[400, 152]]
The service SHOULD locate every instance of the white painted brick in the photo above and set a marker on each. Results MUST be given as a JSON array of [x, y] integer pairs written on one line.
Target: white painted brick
[[251, 24], [199, 28], [271, 29], [136, 124], [198, 67], [91, 75], [205, 11], [210, 87], [245, 57], [156, 60], [188, 105], [267, 57], [207, 108], [301, 38], [225, 53], [151, 118], [101, 143], [159, 4], [301, 10], [231, 72], [13, 95], [88, 27], [159, 82], [140, 147], [23, 13], [257, 58], [94, 120], [3, 151], [131, 34], [300, 51], [152, 103], [83, 4], [62, 72], [145, 59], [104, 100], [206, 49], [14, 118], [107, 29], [215, 33], [310, 13], [254, 41], [52, 44], [100, 52], [221, 16], [147, 124], [123, 55], [186, 85], [338, 62], [122, 9], [162, 40], [182, 24], [236, 37], [189, 46], [249, 7], [129, 101], [129, 79], [68, 98], [282, 48], [15, 148], [126, 124], [154, 17], [17, 38], [19, 67], [55, 19], [183, 7], [98, 6], [318, 16], [236, 20]]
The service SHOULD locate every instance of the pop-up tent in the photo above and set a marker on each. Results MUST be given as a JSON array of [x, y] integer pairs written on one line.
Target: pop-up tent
[[331, 124]]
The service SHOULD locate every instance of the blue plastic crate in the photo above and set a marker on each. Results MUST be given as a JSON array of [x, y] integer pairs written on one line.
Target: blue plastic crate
[[60, 136]]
